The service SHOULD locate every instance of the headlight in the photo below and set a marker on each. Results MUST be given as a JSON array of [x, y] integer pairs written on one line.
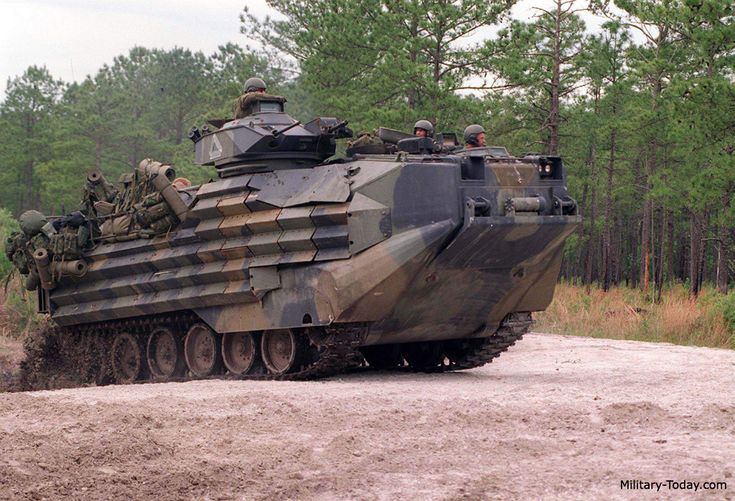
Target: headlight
[[546, 169]]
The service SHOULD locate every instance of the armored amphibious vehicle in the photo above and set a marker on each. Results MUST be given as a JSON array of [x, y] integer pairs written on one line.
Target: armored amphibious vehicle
[[409, 252]]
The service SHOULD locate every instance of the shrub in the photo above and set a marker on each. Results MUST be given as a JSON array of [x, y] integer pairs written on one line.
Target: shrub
[[8, 224], [726, 306], [17, 306]]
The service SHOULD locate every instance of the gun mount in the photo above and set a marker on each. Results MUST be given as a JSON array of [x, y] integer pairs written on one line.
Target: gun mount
[[267, 139]]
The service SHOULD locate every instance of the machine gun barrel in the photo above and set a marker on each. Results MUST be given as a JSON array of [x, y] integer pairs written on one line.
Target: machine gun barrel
[[277, 133], [337, 126]]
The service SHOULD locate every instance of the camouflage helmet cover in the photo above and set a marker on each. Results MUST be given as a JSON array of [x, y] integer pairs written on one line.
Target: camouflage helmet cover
[[31, 222], [471, 132], [254, 84], [424, 124]]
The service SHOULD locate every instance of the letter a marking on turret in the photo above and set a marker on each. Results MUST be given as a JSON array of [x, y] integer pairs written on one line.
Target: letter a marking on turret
[[215, 151]]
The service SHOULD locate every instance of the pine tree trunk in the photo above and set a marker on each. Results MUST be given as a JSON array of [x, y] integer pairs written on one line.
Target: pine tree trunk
[[616, 249], [696, 248], [645, 245], [591, 237], [670, 271], [722, 274], [649, 168], [660, 256], [633, 249], [554, 114], [607, 255]]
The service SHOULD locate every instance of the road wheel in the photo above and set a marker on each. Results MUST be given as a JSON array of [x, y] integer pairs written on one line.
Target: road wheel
[[238, 352], [165, 354], [202, 351], [127, 358], [279, 349]]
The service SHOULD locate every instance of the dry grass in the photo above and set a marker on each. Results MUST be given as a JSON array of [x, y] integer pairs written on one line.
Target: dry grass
[[18, 315], [623, 313], [18, 318]]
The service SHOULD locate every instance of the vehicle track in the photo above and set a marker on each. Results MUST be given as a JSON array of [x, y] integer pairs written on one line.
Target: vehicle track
[[84, 355]]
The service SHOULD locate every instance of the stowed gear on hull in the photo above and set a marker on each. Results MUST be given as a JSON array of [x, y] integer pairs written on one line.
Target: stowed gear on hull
[[433, 253]]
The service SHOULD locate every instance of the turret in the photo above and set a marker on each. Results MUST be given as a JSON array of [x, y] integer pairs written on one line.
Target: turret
[[266, 138]]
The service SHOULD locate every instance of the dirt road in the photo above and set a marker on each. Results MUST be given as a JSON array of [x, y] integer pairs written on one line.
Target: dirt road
[[555, 417]]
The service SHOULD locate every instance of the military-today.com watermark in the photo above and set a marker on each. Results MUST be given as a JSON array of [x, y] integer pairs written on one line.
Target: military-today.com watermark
[[672, 485]]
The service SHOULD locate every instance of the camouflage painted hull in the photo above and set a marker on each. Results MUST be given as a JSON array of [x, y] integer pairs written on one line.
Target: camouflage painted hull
[[386, 241]]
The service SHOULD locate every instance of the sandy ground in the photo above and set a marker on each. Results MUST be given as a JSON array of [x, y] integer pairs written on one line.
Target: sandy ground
[[555, 417]]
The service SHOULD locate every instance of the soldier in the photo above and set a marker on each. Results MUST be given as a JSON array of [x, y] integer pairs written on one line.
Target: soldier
[[254, 84], [423, 128], [474, 136]]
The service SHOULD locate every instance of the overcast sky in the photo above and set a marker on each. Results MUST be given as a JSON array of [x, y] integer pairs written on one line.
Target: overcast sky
[[74, 38]]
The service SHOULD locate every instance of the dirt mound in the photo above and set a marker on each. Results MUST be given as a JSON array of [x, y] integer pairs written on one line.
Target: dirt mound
[[54, 361], [11, 354], [634, 412], [8, 375]]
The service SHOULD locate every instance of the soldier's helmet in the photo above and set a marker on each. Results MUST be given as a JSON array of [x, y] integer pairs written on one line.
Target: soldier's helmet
[[426, 125], [255, 84], [471, 133], [31, 222]]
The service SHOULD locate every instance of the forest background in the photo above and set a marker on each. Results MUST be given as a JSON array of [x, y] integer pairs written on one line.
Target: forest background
[[642, 109]]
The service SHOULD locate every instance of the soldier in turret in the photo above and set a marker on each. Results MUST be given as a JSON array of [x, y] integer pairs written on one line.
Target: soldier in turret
[[423, 128], [474, 136], [253, 85]]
